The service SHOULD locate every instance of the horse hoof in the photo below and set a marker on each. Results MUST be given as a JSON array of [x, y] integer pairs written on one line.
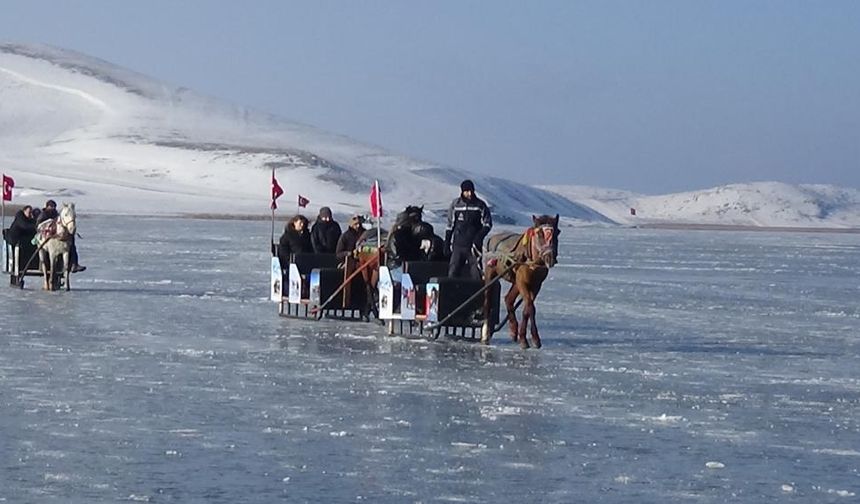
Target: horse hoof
[[537, 344]]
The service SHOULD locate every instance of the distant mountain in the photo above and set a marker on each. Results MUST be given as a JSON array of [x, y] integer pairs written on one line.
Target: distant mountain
[[79, 128], [73, 127], [771, 204]]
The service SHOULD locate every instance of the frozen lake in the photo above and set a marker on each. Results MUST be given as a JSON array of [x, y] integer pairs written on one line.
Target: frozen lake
[[678, 366]]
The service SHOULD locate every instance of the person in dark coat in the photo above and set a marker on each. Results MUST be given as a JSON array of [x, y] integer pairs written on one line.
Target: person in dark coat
[[325, 233], [50, 212], [23, 227], [348, 240], [469, 222], [295, 240]]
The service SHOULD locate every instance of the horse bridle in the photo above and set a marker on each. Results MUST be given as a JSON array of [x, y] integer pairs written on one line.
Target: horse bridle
[[540, 239], [67, 225]]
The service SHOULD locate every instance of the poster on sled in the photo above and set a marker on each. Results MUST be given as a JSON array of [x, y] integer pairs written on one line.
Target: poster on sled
[[386, 294], [295, 292], [7, 264], [432, 302], [275, 287], [407, 298], [315, 287]]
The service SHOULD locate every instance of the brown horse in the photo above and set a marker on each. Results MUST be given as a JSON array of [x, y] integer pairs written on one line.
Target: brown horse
[[523, 260]]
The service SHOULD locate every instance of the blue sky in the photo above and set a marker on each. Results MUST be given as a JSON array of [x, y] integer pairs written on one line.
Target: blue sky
[[651, 96]]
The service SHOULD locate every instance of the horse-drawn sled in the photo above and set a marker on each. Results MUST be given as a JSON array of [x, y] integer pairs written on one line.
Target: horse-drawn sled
[[407, 290], [16, 261], [48, 255]]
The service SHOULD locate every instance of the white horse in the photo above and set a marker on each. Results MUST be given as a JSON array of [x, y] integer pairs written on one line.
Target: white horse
[[55, 237]]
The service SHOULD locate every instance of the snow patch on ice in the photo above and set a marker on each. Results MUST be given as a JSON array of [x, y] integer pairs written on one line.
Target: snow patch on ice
[[494, 412]]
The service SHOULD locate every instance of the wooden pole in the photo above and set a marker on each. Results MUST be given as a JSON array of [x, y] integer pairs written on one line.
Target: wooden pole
[[471, 298], [319, 309]]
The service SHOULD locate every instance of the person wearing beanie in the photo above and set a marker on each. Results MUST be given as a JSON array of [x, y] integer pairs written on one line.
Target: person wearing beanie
[[469, 222], [349, 239], [49, 212], [325, 233]]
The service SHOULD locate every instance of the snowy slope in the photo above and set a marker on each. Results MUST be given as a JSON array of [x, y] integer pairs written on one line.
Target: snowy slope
[[78, 128], [755, 204]]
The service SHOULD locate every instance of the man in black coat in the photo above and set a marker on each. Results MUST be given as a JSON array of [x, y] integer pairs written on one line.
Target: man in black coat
[[469, 221], [23, 227], [325, 233], [49, 212], [348, 240]]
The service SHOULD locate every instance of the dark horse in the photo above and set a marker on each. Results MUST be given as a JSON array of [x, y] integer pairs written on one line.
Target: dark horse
[[523, 260], [410, 239]]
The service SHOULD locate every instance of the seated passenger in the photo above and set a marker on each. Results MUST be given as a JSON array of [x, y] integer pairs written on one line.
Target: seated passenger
[[295, 240], [49, 212], [325, 233], [23, 227], [348, 240]]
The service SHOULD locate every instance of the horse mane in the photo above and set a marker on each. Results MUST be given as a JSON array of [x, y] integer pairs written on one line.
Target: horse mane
[[545, 220]]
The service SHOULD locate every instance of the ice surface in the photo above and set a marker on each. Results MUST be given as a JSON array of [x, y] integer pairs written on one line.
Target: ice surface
[[166, 376]]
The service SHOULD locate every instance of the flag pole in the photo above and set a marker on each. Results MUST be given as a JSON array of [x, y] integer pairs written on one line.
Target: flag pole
[[378, 219], [272, 206], [3, 211]]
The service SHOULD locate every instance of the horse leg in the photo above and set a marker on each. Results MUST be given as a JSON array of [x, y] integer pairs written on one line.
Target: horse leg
[[534, 330], [528, 318], [66, 268], [525, 288], [365, 309], [374, 288], [510, 299], [43, 263]]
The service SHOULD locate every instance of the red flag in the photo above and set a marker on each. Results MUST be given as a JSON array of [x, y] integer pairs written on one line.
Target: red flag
[[375, 200], [303, 202], [8, 184], [276, 191]]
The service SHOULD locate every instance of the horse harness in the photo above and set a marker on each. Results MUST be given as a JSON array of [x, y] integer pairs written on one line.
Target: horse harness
[[526, 240], [54, 229]]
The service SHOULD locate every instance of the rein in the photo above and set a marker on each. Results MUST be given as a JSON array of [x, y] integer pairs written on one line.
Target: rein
[[525, 240]]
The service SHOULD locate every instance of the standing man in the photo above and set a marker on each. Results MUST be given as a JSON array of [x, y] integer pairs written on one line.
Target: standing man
[[469, 221]]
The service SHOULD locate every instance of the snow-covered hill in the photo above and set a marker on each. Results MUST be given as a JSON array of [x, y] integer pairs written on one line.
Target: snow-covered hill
[[771, 204], [79, 128], [73, 127]]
